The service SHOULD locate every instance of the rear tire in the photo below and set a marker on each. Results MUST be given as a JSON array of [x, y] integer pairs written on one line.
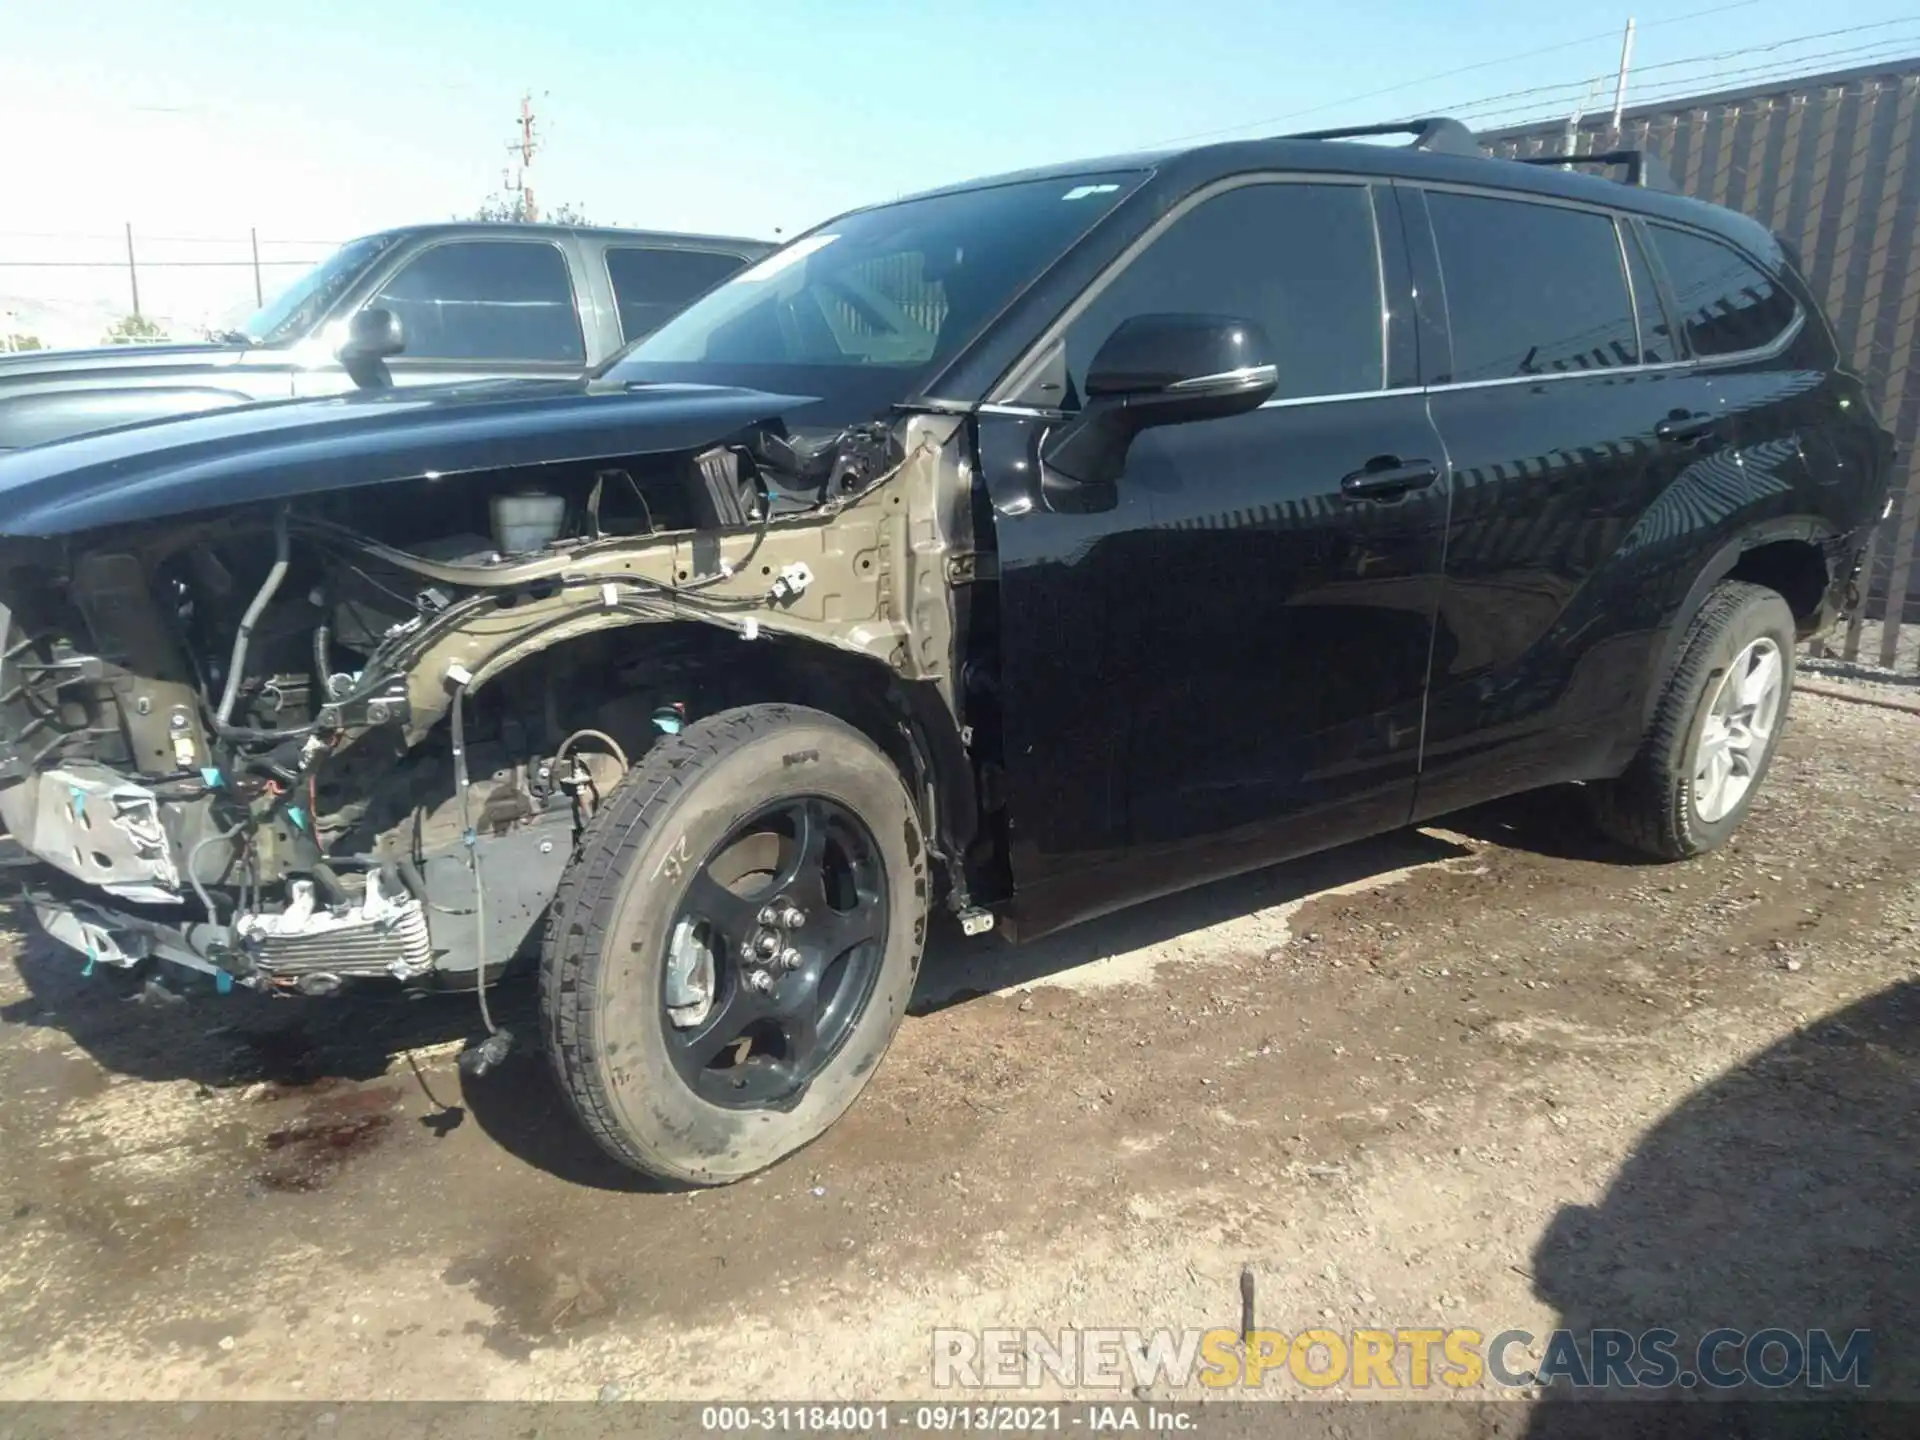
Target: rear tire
[[1714, 731], [642, 970]]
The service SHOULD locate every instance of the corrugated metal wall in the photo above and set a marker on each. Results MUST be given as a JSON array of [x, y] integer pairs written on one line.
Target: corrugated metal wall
[[1832, 164]]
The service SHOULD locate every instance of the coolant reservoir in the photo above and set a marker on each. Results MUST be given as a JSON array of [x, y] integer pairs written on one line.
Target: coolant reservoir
[[526, 521]]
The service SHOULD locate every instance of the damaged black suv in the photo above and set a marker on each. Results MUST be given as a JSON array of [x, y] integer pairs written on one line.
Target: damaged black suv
[[1019, 550]]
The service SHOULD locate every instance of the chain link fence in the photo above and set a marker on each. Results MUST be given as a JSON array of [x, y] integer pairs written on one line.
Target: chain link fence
[[62, 288]]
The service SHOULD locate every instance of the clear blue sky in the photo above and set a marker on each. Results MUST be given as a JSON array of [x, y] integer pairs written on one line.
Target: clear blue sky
[[320, 120]]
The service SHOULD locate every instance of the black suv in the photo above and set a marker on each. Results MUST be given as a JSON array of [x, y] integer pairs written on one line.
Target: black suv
[[419, 305], [1027, 548]]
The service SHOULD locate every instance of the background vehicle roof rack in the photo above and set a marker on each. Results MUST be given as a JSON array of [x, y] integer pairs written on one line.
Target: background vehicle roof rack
[[1436, 133], [1642, 167]]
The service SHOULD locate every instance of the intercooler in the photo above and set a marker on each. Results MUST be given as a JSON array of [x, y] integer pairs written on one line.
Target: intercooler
[[310, 945]]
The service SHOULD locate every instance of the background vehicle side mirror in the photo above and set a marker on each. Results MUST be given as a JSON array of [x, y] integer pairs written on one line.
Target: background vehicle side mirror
[[1161, 369], [372, 335]]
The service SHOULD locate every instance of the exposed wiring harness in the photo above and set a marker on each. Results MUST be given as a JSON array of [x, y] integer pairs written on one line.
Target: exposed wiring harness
[[566, 747], [193, 868], [236, 667], [491, 1051]]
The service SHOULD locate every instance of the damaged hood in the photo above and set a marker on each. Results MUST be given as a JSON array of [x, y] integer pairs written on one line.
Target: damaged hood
[[283, 449]]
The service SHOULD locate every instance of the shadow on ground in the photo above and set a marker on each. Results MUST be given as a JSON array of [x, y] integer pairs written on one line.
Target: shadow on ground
[[1555, 821], [1784, 1195], [957, 969], [1837, 669], [291, 1043]]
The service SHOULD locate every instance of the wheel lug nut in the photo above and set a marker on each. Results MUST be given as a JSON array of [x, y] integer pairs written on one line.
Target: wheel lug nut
[[790, 958], [793, 917], [759, 980], [767, 943], [768, 915]]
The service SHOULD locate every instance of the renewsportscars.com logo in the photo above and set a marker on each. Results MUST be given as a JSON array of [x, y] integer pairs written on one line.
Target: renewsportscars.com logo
[[1400, 1359]]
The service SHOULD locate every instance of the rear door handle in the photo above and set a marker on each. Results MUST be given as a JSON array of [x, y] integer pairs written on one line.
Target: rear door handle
[[1387, 477], [1680, 427]]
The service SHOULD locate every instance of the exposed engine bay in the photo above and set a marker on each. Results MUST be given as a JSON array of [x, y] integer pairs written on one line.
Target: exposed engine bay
[[352, 735]]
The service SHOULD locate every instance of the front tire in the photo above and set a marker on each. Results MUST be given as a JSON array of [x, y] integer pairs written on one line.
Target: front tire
[[1714, 731], [734, 945]]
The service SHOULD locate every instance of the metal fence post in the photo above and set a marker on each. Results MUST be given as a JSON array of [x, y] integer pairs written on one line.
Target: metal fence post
[[253, 236], [133, 272]]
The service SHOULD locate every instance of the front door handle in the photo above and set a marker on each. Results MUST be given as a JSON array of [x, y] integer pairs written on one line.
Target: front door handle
[[1388, 476], [1680, 428]]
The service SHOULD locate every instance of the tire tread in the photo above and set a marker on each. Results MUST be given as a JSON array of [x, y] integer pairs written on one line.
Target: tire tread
[[1645, 807], [586, 905], [583, 908]]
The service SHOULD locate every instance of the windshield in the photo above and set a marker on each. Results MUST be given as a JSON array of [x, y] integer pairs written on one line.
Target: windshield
[[864, 310], [295, 310]]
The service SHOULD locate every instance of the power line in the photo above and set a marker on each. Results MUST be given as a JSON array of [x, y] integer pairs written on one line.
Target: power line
[[1671, 89], [1779, 44], [1680, 88], [1570, 88], [1440, 75]]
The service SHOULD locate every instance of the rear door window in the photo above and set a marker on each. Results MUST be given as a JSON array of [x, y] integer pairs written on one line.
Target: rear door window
[[1300, 260], [651, 285], [1726, 303], [507, 300], [1531, 289]]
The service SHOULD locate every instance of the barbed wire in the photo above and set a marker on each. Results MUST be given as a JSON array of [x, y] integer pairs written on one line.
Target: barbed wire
[[1571, 90], [1613, 34]]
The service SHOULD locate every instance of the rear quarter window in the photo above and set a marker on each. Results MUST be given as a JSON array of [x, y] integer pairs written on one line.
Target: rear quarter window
[[1726, 303], [652, 284]]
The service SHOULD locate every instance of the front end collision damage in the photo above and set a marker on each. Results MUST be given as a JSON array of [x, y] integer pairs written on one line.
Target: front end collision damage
[[226, 736]]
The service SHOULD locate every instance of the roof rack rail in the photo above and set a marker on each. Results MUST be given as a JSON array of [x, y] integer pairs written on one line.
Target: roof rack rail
[[1643, 167], [1436, 133]]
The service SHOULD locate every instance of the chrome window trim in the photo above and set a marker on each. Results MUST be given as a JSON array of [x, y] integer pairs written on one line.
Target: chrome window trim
[[1633, 294], [1699, 362], [1705, 364], [1292, 401], [1380, 281]]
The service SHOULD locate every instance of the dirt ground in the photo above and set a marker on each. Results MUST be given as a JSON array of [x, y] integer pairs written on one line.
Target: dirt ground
[[1495, 1074]]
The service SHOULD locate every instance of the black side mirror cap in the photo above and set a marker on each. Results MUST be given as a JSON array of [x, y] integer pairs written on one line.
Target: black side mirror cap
[[1161, 369], [1168, 355]]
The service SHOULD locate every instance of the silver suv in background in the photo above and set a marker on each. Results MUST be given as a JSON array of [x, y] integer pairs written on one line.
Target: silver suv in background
[[420, 305]]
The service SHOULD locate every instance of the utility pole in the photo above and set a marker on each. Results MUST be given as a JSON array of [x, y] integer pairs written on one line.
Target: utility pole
[[1620, 84], [524, 147]]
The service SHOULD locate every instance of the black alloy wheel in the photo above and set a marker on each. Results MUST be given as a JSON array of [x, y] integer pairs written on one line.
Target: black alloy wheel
[[773, 952], [735, 942]]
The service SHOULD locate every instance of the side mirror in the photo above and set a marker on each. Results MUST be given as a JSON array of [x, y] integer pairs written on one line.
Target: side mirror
[[373, 335], [1161, 370]]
